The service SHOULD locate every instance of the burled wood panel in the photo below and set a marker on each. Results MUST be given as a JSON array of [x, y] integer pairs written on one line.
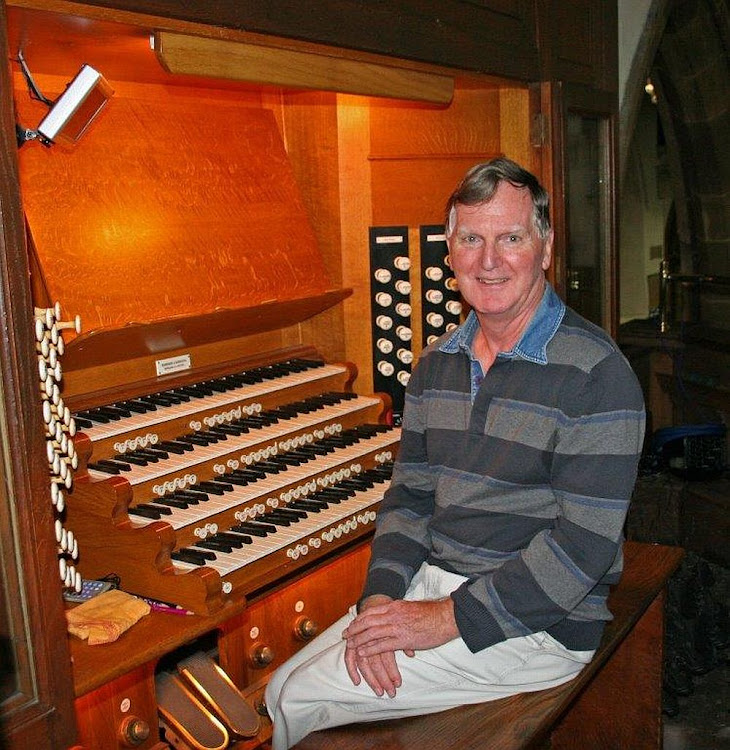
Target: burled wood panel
[[170, 206]]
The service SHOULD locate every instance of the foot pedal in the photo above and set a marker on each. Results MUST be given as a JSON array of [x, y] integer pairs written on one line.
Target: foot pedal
[[192, 724], [219, 692]]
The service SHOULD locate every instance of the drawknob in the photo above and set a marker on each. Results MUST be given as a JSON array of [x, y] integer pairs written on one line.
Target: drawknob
[[305, 629], [133, 731], [261, 655]]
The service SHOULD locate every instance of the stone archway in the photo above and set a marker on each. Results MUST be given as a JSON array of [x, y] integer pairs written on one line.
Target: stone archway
[[691, 75]]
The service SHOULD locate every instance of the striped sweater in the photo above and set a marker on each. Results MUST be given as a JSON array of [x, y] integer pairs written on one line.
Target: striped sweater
[[519, 480]]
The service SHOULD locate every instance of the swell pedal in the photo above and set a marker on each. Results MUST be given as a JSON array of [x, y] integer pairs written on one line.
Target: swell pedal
[[219, 692], [192, 725]]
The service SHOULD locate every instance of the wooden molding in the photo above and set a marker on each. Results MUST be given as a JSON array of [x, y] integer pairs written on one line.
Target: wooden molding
[[220, 58], [107, 346]]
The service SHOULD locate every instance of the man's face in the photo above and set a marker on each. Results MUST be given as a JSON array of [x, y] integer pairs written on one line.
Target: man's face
[[497, 256]]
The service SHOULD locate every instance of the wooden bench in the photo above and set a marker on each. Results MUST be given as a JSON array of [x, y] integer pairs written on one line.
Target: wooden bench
[[615, 703]]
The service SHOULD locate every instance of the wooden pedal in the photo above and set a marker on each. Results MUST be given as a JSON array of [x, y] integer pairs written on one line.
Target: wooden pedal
[[216, 688], [193, 725]]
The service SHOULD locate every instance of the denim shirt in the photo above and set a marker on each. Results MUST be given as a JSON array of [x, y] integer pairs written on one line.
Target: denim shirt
[[532, 345]]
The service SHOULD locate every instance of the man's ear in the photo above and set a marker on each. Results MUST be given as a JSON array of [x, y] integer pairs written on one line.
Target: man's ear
[[547, 251]]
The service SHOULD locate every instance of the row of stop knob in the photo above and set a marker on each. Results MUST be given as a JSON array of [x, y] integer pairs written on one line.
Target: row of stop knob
[[60, 429]]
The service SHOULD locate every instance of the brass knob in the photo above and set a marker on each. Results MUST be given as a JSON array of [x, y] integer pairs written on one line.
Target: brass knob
[[305, 629], [261, 655], [133, 731]]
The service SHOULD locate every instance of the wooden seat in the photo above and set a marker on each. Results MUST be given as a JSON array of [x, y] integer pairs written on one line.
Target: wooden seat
[[614, 703]]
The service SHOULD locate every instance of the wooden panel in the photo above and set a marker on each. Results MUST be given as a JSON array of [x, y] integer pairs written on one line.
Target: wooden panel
[[100, 714], [611, 713], [35, 693], [356, 215], [323, 596], [419, 153], [309, 121], [583, 43], [470, 124], [414, 191], [207, 217], [219, 58]]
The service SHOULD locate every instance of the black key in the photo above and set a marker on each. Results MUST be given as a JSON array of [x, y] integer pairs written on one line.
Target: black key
[[252, 474], [289, 513], [157, 400], [113, 463], [82, 422], [195, 557], [253, 527], [175, 446], [303, 454], [195, 391], [220, 482], [146, 511], [355, 484], [278, 520], [113, 412], [172, 502], [209, 487], [220, 434], [130, 458], [194, 439], [209, 436], [214, 545], [287, 459], [307, 505], [231, 429], [100, 418], [136, 406], [105, 469], [235, 540], [158, 453], [179, 394], [189, 496], [240, 481], [162, 508], [148, 454]]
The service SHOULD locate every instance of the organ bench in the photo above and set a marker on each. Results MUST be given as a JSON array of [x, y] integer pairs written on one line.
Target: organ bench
[[614, 704]]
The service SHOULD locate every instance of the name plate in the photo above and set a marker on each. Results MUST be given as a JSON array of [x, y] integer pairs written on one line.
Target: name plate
[[173, 364]]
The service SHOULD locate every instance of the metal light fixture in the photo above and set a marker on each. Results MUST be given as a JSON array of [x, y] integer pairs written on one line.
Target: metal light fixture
[[70, 115]]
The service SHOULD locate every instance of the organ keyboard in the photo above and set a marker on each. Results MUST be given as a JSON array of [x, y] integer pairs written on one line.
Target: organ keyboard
[[215, 488]]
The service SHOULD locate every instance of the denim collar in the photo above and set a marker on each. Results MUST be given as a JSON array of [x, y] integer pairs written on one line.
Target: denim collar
[[533, 343]]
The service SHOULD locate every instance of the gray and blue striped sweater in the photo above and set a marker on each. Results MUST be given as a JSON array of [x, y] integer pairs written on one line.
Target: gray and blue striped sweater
[[520, 481]]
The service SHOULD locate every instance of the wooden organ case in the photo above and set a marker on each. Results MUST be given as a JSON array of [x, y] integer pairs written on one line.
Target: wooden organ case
[[212, 236]]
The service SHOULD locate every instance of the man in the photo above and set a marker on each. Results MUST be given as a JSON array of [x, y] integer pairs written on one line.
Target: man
[[501, 532]]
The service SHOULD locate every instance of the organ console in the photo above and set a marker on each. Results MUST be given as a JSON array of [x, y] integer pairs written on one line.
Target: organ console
[[233, 362]]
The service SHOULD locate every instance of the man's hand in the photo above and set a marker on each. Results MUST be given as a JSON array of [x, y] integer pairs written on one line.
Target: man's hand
[[381, 671], [384, 627]]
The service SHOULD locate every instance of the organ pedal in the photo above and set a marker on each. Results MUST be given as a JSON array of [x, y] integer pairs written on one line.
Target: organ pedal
[[188, 724], [220, 694]]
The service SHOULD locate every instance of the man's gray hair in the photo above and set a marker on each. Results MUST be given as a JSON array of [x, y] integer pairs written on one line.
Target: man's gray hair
[[481, 182]]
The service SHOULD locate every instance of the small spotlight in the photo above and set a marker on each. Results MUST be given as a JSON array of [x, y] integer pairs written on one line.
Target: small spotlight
[[77, 107]]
